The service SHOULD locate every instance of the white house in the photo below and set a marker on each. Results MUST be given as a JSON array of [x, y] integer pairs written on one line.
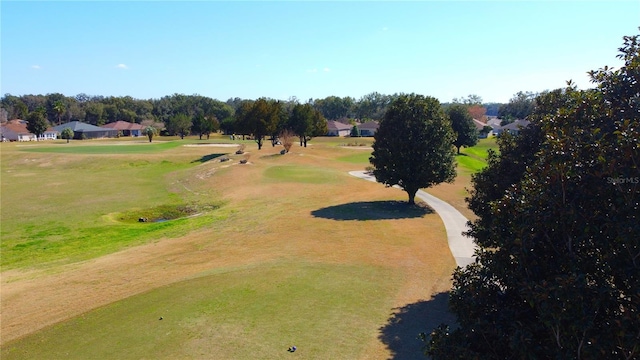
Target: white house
[[368, 128], [16, 130], [336, 128]]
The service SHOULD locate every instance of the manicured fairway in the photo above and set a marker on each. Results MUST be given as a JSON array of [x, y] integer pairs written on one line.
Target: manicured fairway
[[284, 250], [474, 158], [257, 312], [303, 174], [122, 148]]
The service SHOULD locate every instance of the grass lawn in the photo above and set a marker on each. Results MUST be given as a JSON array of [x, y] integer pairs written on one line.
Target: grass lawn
[[125, 147], [61, 207], [284, 250], [474, 158], [254, 312]]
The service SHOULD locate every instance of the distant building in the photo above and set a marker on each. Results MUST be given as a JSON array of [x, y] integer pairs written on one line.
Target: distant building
[[514, 127], [125, 128], [480, 126], [87, 131], [16, 130], [368, 128], [494, 122], [336, 128]]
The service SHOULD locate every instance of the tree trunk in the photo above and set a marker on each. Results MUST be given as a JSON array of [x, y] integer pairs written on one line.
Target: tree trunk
[[412, 196], [458, 150]]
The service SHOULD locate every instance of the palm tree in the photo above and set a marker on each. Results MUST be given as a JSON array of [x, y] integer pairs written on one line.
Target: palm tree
[[59, 107], [67, 134], [150, 131]]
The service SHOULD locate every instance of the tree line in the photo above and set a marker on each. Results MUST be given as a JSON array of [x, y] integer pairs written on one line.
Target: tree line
[[99, 110]]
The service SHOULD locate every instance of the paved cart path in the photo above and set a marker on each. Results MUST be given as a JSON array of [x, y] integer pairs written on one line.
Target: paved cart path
[[455, 223]]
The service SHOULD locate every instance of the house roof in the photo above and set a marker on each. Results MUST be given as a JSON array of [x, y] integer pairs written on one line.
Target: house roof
[[16, 126], [79, 127], [19, 126], [516, 125], [493, 121], [479, 124], [336, 125], [369, 125], [123, 125]]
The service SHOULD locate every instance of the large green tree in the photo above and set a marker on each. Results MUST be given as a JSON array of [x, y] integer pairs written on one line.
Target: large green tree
[[55, 106], [20, 110], [204, 125], [241, 123], [557, 274], [37, 123], [464, 130], [260, 118], [307, 122], [179, 124], [412, 147], [518, 107], [334, 107], [94, 112]]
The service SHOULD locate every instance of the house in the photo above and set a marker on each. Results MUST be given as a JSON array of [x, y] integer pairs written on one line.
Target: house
[[49, 134], [16, 130], [494, 122], [368, 128], [125, 128], [480, 126], [514, 127], [336, 128], [87, 131]]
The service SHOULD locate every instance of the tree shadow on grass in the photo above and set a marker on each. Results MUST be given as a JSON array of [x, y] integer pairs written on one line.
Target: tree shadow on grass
[[401, 334], [206, 158], [373, 210]]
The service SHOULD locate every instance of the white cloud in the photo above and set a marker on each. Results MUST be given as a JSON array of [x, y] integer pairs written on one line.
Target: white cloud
[[122, 66], [385, 28], [312, 71], [37, 67], [326, 69]]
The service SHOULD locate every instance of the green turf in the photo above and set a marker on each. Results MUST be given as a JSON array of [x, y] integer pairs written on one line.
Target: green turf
[[59, 209], [470, 164], [40, 244], [358, 157], [473, 159], [253, 312], [301, 174], [107, 149], [481, 149]]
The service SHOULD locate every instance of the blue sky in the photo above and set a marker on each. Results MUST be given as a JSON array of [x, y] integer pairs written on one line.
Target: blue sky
[[280, 49]]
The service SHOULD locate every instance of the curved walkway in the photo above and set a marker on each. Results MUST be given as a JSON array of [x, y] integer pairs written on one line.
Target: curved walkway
[[455, 223]]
